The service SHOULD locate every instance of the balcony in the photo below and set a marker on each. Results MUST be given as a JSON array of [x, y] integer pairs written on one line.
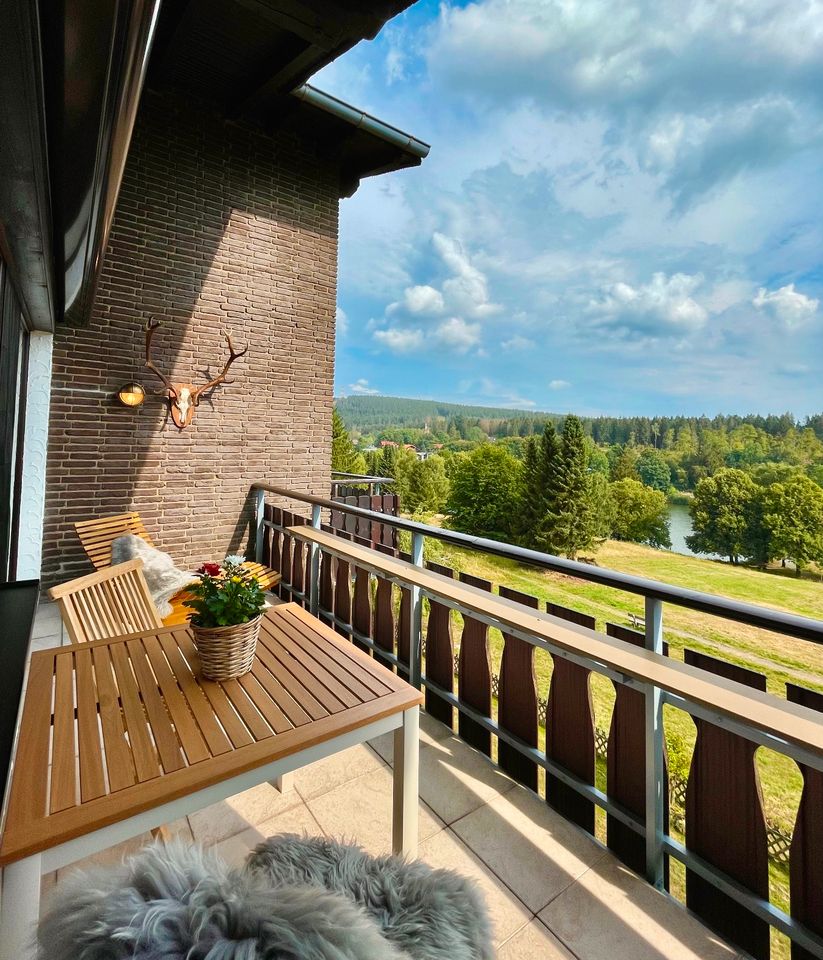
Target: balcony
[[702, 840], [552, 891]]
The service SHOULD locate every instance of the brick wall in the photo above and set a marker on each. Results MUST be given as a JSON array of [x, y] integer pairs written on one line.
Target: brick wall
[[217, 227]]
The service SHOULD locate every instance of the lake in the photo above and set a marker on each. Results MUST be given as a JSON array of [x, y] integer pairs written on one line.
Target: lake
[[680, 527]]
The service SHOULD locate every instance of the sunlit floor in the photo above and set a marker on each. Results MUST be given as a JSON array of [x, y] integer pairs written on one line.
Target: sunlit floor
[[552, 891]]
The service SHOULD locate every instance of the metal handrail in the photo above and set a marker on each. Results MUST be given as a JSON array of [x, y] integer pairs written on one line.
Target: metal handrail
[[752, 614], [650, 825], [360, 478]]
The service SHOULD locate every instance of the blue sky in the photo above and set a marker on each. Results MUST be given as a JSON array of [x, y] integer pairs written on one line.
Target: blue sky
[[621, 213]]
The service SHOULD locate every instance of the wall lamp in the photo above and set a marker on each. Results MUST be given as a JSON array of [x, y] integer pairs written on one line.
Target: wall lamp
[[131, 395]]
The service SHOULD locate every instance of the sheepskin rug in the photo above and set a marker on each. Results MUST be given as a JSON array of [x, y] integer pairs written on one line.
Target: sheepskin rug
[[177, 902], [163, 578], [430, 914]]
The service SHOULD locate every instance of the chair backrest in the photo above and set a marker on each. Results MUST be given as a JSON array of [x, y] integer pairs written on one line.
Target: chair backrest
[[98, 535], [108, 603]]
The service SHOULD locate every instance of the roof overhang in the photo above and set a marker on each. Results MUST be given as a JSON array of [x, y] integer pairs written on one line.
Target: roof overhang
[[365, 146], [69, 90]]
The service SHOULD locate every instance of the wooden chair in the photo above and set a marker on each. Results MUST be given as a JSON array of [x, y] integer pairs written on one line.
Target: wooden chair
[[98, 535], [108, 603]]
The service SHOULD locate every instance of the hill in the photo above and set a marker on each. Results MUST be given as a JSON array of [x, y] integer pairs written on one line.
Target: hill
[[372, 413]]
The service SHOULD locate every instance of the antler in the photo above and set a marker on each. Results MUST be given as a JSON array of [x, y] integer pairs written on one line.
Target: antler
[[221, 378], [151, 326]]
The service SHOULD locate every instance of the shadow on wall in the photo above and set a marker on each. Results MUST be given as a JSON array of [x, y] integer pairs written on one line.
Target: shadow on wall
[[218, 228]]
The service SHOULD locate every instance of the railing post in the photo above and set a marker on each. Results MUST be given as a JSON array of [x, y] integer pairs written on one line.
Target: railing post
[[655, 775], [416, 618], [259, 516], [314, 568]]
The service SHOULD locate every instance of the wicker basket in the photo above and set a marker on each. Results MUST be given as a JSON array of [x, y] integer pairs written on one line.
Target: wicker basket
[[226, 652]]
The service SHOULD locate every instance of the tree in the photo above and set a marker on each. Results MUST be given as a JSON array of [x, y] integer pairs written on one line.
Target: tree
[[570, 524], [541, 469], [484, 494], [653, 470], [793, 517], [640, 513], [721, 511], [344, 457], [623, 463], [428, 486], [601, 506]]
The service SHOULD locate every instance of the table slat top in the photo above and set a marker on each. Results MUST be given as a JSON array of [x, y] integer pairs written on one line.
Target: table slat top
[[115, 727]]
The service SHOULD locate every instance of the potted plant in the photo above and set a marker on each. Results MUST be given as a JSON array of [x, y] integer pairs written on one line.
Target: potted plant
[[228, 604]]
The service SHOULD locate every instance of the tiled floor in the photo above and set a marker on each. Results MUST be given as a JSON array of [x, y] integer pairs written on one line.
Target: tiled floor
[[552, 892], [48, 628]]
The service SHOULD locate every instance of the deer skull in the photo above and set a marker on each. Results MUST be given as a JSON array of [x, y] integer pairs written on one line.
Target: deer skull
[[183, 398]]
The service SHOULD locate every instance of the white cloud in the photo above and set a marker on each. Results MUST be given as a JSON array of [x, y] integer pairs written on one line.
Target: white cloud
[[558, 384], [788, 305], [399, 340], [660, 308], [341, 321], [467, 291], [362, 388], [518, 342], [458, 334], [419, 299]]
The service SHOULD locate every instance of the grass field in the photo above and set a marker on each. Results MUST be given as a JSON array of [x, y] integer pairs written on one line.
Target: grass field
[[780, 658]]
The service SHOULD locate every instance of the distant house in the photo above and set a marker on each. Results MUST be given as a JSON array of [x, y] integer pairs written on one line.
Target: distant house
[[387, 443], [369, 449], [410, 446]]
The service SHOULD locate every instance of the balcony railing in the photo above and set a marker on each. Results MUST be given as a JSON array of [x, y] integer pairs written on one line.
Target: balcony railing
[[374, 595]]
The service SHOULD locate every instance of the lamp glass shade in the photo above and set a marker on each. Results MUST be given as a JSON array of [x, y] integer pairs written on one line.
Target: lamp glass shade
[[131, 395]]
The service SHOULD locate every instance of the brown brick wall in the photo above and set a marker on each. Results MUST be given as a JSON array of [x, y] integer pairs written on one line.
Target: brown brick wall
[[217, 227]]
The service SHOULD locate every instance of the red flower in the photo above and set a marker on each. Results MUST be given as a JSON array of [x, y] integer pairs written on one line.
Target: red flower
[[210, 569]]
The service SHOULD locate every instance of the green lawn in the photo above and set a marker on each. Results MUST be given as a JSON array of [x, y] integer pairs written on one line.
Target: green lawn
[[781, 659]]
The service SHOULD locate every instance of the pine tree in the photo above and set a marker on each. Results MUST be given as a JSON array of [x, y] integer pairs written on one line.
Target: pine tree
[[531, 496], [570, 516], [541, 467], [344, 456]]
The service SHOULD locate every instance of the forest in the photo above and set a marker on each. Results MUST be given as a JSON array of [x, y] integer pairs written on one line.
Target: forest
[[758, 499]]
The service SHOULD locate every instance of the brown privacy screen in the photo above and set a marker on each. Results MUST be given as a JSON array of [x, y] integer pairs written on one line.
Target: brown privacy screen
[[517, 698], [806, 860], [570, 729], [725, 823]]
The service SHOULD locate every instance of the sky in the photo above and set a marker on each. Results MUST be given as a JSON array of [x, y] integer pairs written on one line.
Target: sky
[[621, 212]]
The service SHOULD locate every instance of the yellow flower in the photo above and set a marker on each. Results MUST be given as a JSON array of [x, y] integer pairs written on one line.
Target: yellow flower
[[236, 580]]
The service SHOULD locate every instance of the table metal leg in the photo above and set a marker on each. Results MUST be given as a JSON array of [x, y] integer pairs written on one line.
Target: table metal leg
[[406, 756], [284, 783], [20, 909]]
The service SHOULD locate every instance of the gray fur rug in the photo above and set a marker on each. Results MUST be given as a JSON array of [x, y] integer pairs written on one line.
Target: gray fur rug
[[177, 902], [430, 914], [164, 579]]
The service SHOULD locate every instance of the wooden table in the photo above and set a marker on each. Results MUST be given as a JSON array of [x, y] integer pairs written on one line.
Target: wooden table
[[121, 736]]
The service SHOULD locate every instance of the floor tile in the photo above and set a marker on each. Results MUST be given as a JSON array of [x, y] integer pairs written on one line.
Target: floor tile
[[298, 820], [454, 779], [113, 855], [431, 732], [529, 846], [321, 777], [507, 913], [238, 813], [361, 810], [533, 942], [611, 914]]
